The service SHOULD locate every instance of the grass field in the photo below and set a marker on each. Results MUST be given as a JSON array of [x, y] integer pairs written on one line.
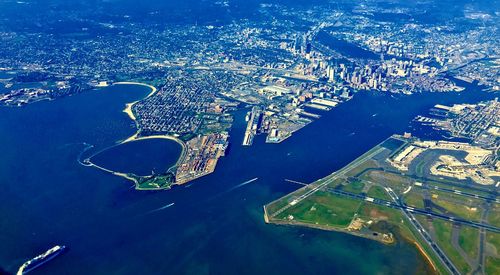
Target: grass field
[[494, 239], [470, 213], [468, 239], [414, 199], [157, 182], [492, 265], [379, 212], [455, 197], [336, 182], [494, 216], [423, 221], [325, 209], [458, 188], [443, 235], [397, 182], [362, 167], [378, 193], [354, 187], [283, 201]]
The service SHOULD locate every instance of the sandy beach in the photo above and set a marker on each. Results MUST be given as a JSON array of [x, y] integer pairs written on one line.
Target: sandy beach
[[128, 107]]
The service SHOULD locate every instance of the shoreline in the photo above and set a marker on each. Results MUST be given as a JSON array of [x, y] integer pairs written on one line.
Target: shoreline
[[413, 242], [426, 256], [268, 220], [128, 110], [169, 137], [128, 106], [136, 137]]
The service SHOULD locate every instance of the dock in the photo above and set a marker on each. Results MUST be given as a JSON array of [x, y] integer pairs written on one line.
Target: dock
[[317, 106]]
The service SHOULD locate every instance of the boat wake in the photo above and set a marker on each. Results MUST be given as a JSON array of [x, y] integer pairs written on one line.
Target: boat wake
[[233, 188], [162, 208], [84, 162], [241, 185]]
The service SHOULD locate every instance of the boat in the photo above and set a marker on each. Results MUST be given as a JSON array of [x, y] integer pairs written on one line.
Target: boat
[[40, 259]]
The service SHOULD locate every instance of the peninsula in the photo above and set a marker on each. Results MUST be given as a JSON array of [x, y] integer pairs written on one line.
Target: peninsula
[[441, 195], [200, 151]]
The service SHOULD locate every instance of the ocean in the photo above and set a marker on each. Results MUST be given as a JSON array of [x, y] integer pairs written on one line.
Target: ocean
[[215, 224]]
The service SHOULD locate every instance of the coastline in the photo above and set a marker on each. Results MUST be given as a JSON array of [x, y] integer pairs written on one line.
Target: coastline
[[128, 106], [128, 110], [344, 230], [426, 256], [169, 137], [136, 137], [412, 239], [413, 242]]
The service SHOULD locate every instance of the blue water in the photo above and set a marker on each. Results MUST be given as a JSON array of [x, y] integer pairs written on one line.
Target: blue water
[[345, 48], [48, 198], [140, 157]]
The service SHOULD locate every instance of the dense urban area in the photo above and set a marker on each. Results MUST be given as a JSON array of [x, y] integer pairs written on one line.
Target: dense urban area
[[287, 71], [286, 66]]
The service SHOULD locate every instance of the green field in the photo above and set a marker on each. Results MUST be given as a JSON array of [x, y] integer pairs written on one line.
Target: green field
[[458, 188], [378, 193], [494, 216], [378, 212], [492, 265], [494, 239], [283, 201], [456, 197], [362, 167], [443, 235], [423, 221], [354, 187], [397, 182], [419, 169], [470, 213], [336, 182], [323, 208], [468, 240], [414, 199], [157, 182]]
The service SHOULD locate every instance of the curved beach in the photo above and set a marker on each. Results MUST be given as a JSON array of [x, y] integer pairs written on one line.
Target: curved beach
[[136, 137]]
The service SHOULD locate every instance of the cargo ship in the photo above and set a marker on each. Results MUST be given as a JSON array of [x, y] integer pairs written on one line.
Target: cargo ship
[[40, 259]]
